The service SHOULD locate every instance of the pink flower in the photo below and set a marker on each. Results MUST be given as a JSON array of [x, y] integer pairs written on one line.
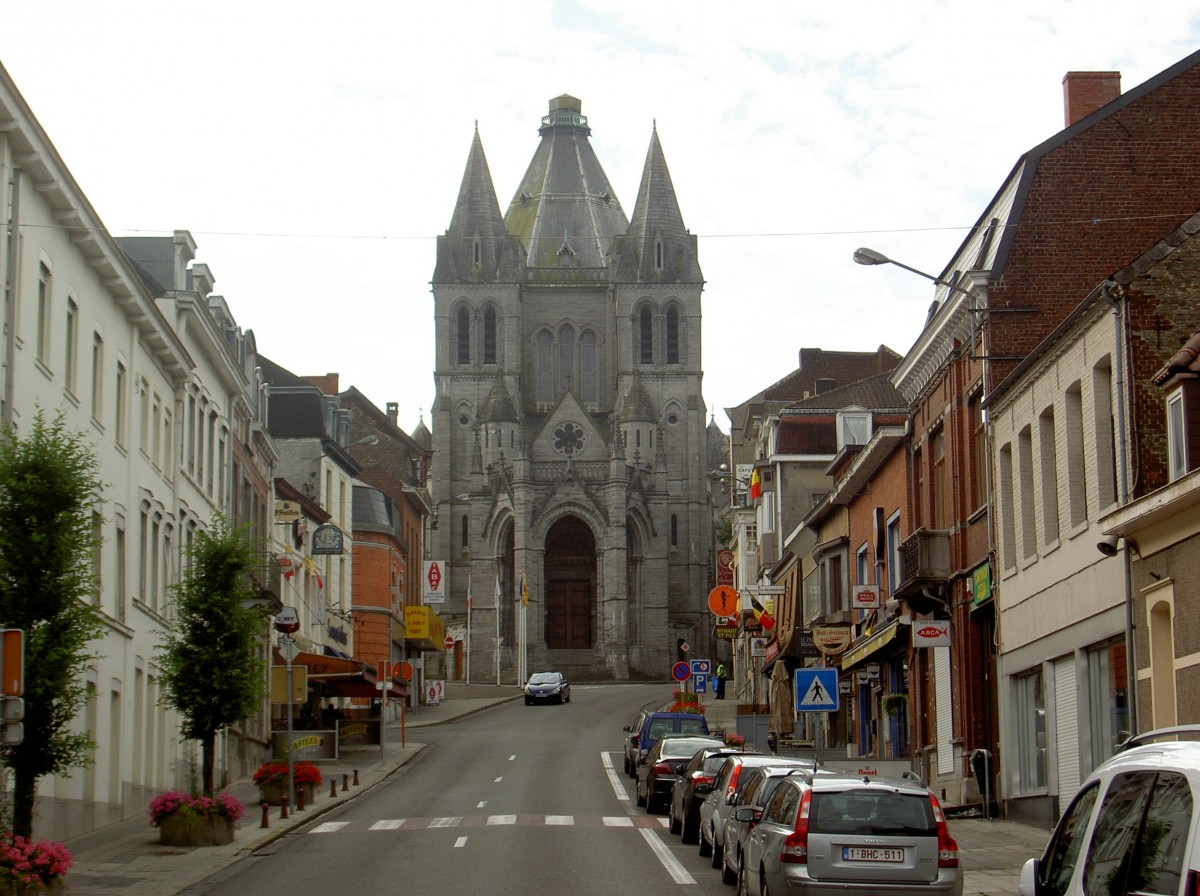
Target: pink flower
[[30, 863], [171, 802]]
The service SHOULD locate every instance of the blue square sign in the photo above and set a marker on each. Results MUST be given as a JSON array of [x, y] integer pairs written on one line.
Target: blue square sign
[[816, 690]]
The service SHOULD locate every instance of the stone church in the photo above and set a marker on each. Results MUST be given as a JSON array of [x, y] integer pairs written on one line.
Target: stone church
[[568, 431]]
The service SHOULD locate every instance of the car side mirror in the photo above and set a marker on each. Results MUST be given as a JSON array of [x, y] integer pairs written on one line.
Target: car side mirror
[[634, 740], [1028, 884], [745, 813], [626, 727]]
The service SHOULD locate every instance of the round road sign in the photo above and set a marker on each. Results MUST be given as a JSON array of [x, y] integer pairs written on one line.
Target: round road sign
[[449, 642], [723, 601], [681, 671]]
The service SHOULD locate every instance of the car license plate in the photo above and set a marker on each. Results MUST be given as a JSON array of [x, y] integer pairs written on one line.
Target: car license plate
[[871, 854]]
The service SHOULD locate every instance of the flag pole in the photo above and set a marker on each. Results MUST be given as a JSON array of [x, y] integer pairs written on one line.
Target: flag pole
[[497, 645], [468, 663]]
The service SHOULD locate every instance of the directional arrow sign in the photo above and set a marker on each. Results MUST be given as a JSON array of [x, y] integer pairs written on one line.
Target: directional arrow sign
[[816, 690]]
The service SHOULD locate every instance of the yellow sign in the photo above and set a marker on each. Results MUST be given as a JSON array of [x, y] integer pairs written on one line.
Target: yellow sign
[[279, 688]]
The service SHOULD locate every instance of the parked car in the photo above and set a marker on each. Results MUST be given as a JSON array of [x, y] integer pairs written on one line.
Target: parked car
[[757, 786], [1131, 828], [547, 687], [720, 802], [693, 785], [631, 741], [655, 724], [657, 771], [836, 833]]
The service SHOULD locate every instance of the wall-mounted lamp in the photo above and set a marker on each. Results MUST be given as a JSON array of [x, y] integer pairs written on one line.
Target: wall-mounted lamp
[[1108, 545]]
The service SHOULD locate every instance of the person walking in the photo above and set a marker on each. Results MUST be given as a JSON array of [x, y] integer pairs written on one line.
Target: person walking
[[722, 674]]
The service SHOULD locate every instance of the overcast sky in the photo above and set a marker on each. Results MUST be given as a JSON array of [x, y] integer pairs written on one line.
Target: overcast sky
[[316, 150]]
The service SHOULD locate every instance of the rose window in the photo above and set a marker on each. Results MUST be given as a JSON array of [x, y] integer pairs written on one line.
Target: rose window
[[568, 439]]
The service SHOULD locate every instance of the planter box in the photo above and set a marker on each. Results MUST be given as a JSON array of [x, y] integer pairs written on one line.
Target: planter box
[[181, 829], [272, 792], [16, 888]]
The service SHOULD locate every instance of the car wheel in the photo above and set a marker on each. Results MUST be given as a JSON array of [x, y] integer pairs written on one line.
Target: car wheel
[[628, 767], [705, 846], [718, 856], [691, 828], [762, 879], [743, 885], [641, 801], [728, 875], [672, 824], [529, 701]]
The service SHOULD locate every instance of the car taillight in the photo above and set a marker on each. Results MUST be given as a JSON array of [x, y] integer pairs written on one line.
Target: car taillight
[[699, 779], [947, 846], [1192, 887], [795, 847], [663, 768], [733, 779]]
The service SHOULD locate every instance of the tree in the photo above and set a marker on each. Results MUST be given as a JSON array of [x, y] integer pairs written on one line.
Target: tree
[[49, 494], [212, 669]]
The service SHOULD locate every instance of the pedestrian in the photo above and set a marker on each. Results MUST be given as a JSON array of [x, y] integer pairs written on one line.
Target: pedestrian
[[722, 674]]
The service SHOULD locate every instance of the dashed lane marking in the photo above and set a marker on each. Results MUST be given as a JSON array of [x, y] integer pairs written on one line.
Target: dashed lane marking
[[480, 821], [460, 842], [614, 780]]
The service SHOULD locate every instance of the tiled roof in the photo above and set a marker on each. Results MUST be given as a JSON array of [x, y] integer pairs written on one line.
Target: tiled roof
[[1186, 360]]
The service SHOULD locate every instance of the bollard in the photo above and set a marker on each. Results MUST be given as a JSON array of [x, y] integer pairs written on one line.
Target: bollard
[[332, 786], [266, 816], [283, 806], [356, 777], [300, 798], [345, 781]]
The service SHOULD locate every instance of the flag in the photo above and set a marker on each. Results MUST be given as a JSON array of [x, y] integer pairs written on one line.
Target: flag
[[524, 590], [499, 591], [755, 485], [760, 613], [469, 591]]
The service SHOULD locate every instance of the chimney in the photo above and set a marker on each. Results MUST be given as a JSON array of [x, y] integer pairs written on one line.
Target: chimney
[[393, 411], [1085, 92], [328, 384]]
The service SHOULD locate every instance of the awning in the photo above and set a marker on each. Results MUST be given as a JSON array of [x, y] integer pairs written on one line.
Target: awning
[[867, 646], [340, 677], [792, 654], [423, 629]]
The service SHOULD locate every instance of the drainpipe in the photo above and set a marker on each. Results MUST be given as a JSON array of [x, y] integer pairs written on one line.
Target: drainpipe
[[11, 282], [1118, 309]]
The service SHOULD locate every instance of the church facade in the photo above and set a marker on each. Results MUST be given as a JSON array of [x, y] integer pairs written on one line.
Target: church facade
[[570, 456]]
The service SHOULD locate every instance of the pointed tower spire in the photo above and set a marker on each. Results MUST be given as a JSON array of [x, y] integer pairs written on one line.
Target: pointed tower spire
[[657, 248], [476, 247]]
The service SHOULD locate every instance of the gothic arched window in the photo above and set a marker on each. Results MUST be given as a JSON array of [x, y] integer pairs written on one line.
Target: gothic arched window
[[489, 336], [645, 338], [544, 359], [566, 358], [464, 336], [587, 365], [672, 335]]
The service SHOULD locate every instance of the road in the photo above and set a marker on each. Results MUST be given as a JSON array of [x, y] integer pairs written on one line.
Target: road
[[515, 799]]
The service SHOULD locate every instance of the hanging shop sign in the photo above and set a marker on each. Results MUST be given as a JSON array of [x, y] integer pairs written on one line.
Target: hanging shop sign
[[864, 597], [327, 539], [832, 639], [931, 632]]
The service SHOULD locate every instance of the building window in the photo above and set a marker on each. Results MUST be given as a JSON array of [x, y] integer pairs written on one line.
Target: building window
[[476, 255], [978, 450], [44, 300], [1031, 732], [489, 336], [658, 255], [674, 530], [893, 553], [1026, 475], [1105, 430], [466, 530], [155, 422], [919, 494], [97, 556], [834, 586], [853, 428], [464, 336], [937, 479], [97, 376], [672, 335], [1177, 463], [1008, 510], [1048, 461], [645, 337], [71, 369], [545, 367], [119, 401], [1108, 697], [587, 366], [862, 569], [1076, 468], [566, 358], [120, 584]]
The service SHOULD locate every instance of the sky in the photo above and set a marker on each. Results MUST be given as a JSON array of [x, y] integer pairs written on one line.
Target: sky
[[315, 151]]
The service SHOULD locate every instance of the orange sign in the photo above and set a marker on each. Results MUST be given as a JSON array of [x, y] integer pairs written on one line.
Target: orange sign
[[723, 601], [13, 661]]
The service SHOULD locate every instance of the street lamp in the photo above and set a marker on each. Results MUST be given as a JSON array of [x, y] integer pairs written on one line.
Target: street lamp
[[866, 256]]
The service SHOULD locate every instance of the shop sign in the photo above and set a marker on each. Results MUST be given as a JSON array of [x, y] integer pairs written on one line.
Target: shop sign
[[865, 597], [981, 582], [287, 511], [832, 639], [726, 631], [327, 539], [931, 632]]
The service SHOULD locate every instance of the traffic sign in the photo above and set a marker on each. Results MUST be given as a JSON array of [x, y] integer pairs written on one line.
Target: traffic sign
[[449, 642], [289, 649], [681, 671], [723, 601], [701, 667], [700, 684], [406, 671], [816, 690]]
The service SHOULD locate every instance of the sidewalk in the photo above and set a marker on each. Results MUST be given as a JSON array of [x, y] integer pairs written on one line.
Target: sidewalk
[[126, 858]]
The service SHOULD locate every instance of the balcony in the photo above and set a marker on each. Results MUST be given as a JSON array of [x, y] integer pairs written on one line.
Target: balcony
[[924, 562]]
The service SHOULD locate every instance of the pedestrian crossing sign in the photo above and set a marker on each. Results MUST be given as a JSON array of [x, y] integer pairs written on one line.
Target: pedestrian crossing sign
[[816, 690]]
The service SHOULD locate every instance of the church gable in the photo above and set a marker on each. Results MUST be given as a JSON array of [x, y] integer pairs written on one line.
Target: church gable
[[569, 432]]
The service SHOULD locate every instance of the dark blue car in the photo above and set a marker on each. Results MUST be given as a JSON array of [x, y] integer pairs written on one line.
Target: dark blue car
[[547, 687]]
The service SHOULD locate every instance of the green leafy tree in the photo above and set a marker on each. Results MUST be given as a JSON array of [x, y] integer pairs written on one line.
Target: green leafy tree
[[48, 495], [212, 670]]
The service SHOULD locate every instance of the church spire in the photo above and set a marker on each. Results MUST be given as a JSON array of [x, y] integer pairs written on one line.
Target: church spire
[[476, 247], [657, 248]]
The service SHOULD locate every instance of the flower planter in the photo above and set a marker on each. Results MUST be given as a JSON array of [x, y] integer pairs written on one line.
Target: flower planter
[[272, 792], [184, 829], [52, 887]]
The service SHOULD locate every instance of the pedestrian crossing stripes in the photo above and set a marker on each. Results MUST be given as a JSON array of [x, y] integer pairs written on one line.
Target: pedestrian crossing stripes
[[482, 821]]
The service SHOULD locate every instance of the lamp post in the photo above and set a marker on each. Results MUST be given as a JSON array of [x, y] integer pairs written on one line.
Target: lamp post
[[866, 256]]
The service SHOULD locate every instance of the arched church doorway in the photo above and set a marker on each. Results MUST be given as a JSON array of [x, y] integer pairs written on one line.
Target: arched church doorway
[[570, 567]]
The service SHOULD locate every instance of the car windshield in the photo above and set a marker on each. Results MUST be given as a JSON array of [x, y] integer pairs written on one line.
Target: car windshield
[[872, 812], [544, 678], [683, 747]]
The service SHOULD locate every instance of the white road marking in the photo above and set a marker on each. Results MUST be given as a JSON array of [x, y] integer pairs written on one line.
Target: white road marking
[[387, 824], [512, 757], [617, 821], [676, 870], [482, 803], [460, 842], [329, 827], [502, 819], [614, 779], [447, 822], [498, 780], [560, 819]]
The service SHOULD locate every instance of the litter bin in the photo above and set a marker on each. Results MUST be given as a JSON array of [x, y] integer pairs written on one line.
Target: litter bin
[[981, 768]]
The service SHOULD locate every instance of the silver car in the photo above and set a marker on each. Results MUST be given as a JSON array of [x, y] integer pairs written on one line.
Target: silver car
[[723, 797], [759, 784], [840, 834]]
